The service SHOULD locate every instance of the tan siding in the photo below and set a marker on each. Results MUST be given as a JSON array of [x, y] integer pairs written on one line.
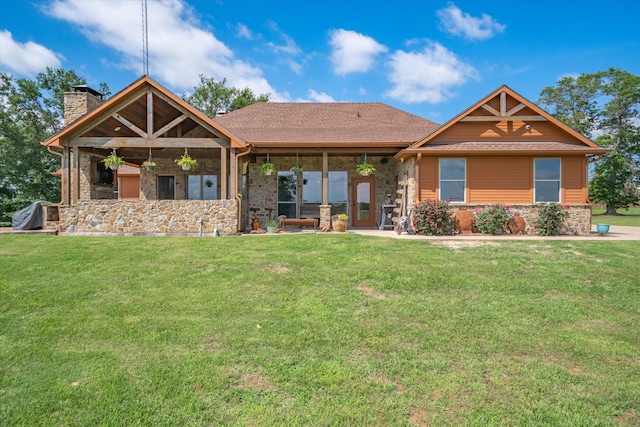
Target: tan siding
[[574, 180], [428, 184], [502, 179], [503, 131]]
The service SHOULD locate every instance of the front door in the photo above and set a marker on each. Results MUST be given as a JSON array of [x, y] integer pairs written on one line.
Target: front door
[[363, 205]]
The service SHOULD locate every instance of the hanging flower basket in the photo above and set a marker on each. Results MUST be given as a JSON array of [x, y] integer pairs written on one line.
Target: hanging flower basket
[[113, 161], [187, 163], [296, 170], [267, 168], [149, 165], [365, 169]]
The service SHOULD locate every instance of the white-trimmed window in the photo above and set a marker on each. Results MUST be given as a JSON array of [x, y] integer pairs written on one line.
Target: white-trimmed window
[[546, 177], [453, 173]]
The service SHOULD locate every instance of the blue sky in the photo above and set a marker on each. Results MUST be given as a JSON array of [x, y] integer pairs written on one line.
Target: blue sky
[[431, 58]]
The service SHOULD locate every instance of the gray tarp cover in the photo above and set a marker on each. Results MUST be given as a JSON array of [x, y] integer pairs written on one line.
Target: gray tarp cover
[[29, 218]]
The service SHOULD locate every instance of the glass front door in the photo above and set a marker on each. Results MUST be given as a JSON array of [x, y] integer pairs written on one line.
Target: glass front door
[[363, 213]]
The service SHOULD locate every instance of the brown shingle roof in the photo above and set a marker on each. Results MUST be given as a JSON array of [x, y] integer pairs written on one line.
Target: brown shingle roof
[[476, 147], [345, 123]]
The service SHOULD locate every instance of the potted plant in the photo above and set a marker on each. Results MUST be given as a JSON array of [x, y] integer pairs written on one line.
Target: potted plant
[[339, 222], [365, 169], [113, 161], [149, 165], [272, 226], [267, 168], [187, 163], [297, 171], [208, 183]]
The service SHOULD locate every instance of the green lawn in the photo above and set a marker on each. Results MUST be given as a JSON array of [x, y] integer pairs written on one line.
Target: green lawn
[[630, 217], [317, 330]]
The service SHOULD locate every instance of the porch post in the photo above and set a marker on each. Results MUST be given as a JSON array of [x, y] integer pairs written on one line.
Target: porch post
[[233, 174], [325, 207], [325, 178], [224, 172], [75, 189], [66, 200]]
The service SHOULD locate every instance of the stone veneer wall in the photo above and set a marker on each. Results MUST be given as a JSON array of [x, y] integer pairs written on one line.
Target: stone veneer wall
[[577, 222], [77, 104], [190, 217], [263, 189], [408, 168]]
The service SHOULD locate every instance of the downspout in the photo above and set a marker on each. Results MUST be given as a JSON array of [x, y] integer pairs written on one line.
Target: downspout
[[239, 199], [61, 160]]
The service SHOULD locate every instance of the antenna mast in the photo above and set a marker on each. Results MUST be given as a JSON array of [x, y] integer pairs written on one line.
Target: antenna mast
[[145, 39]]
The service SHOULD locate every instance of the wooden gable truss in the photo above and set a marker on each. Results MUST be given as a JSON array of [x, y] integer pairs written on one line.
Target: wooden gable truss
[[143, 117]]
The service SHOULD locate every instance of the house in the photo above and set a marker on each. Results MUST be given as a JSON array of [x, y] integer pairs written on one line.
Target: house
[[503, 149]]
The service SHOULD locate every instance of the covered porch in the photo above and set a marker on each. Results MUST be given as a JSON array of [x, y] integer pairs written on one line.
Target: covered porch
[[147, 123]]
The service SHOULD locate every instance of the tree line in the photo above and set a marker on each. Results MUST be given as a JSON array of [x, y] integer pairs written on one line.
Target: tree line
[[602, 106]]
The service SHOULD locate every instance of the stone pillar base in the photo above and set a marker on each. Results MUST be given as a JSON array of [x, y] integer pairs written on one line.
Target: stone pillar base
[[325, 216]]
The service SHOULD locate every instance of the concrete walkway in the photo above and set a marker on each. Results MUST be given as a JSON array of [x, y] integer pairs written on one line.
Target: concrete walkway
[[616, 233]]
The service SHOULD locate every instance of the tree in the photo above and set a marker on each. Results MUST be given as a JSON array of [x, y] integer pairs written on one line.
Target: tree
[[573, 101], [613, 183], [30, 112], [604, 104], [212, 97]]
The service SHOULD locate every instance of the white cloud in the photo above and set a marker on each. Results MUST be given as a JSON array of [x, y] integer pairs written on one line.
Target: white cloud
[[25, 58], [362, 91], [294, 66], [457, 22], [244, 32], [180, 49], [427, 75], [353, 52], [290, 46], [320, 96]]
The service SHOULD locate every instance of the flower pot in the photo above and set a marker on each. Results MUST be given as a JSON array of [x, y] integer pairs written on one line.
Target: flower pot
[[186, 167], [267, 173], [114, 167], [272, 230], [339, 226], [602, 228], [150, 168]]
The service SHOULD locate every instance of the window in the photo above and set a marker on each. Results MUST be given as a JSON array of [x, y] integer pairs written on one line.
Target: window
[[202, 187], [287, 194], [338, 187], [452, 179], [546, 176], [166, 187], [103, 175]]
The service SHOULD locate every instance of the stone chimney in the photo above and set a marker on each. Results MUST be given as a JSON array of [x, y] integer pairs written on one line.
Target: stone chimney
[[79, 102]]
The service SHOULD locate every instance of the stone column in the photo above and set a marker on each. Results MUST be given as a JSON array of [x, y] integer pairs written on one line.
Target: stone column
[[325, 216]]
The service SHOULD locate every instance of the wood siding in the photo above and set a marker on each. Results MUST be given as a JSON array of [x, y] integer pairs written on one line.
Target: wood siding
[[428, 184], [504, 179], [574, 180], [129, 187], [513, 131]]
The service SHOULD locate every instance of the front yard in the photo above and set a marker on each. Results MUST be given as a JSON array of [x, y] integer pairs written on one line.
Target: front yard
[[318, 329]]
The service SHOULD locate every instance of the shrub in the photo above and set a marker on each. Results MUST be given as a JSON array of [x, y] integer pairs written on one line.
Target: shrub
[[550, 219], [492, 220], [434, 217]]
